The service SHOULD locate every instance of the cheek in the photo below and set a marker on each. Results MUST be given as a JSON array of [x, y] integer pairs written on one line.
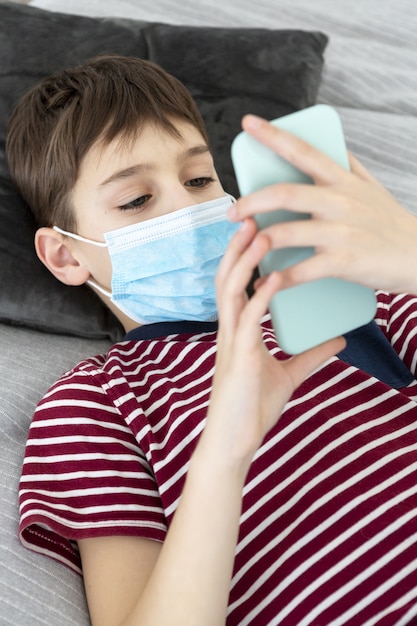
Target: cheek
[[99, 265]]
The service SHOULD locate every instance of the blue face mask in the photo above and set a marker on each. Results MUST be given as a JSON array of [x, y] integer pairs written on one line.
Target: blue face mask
[[164, 269]]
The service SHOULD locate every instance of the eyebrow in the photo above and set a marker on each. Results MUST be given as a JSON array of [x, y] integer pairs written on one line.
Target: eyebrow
[[128, 172]]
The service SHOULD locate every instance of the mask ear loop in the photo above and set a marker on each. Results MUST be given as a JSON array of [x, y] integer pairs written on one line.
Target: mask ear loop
[[99, 288], [100, 244]]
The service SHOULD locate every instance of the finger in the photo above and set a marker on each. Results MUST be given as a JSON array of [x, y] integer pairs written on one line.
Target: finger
[[322, 202], [259, 282], [360, 170], [321, 265], [302, 365], [309, 233], [232, 283], [238, 243], [315, 267], [299, 153], [256, 308], [241, 270]]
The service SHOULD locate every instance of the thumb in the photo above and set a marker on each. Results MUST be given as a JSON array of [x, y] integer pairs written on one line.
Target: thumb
[[302, 365]]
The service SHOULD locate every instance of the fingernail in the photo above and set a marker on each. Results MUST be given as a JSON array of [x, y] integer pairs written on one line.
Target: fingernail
[[252, 121]]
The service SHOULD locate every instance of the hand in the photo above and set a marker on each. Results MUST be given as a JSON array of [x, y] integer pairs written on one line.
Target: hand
[[359, 231], [251, 387]]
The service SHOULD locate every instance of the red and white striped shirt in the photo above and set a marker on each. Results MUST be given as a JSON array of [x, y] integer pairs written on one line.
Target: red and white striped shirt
[[328, 531]]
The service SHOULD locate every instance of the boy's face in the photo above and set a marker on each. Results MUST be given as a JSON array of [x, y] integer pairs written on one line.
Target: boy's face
[[128, 182]]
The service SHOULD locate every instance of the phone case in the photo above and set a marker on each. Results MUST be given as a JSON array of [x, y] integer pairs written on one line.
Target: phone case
[[309, 314]]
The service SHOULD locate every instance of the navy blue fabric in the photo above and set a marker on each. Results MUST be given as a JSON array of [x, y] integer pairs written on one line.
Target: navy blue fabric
[[163, 329], [367, 348]]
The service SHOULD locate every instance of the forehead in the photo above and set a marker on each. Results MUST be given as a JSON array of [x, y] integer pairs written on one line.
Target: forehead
[[150, 143]]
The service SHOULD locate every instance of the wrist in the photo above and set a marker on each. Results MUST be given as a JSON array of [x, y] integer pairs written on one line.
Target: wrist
[[214, 454]]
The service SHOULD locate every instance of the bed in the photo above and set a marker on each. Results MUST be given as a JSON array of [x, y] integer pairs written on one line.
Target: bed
[[359, 57]]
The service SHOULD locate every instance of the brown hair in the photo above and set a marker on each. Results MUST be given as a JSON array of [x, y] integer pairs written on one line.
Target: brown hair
[[55, 124]]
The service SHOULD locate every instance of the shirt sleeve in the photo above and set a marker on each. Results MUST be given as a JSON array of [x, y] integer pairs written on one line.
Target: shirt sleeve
[[397, 318], [84, 474]]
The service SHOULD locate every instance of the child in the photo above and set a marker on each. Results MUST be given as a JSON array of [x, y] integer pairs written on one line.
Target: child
[[195, 473]]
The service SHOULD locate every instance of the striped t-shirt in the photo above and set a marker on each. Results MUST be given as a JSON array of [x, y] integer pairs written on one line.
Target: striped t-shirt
[[328, 531]]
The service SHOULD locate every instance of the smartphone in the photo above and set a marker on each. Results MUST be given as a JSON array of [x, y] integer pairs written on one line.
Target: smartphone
[[305, 315]]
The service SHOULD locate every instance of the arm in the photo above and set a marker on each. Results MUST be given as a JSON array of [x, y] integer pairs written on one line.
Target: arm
[[186, 579], [358, 229]]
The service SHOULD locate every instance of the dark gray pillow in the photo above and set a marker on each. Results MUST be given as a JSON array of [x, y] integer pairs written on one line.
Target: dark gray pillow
[[229, 72]]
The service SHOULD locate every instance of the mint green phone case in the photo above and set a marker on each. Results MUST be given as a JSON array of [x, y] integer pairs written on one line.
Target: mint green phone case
[[309, 314]]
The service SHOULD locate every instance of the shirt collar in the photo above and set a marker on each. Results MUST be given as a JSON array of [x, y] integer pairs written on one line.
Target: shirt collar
[[163, 329], [367, 348]]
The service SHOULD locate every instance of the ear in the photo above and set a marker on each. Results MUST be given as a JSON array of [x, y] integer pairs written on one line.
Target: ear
[[56, 255]]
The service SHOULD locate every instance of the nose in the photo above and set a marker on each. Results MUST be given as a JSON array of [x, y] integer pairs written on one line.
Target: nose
[[178, 197]]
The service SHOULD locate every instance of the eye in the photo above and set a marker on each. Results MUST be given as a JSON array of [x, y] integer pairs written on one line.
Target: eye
[[201, 182], [137, 203]]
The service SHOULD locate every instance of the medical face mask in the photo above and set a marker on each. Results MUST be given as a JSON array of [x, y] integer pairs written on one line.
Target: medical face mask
[[163, 269]]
